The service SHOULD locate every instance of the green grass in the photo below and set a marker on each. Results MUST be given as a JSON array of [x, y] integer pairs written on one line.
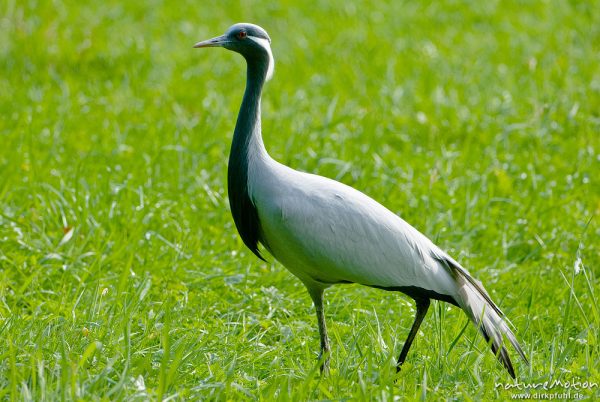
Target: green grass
[[478, 123]]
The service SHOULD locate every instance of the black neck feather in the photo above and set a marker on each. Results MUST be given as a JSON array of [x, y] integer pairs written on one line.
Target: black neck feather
[[246, 143]]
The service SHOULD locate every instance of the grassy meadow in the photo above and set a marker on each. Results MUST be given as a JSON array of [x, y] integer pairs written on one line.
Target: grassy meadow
[[122, 276]]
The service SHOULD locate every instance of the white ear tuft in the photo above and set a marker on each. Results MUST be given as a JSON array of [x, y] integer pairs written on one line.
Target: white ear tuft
[[264, 43]]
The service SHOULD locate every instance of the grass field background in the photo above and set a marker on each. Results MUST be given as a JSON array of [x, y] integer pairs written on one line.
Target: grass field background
[[122, 275]]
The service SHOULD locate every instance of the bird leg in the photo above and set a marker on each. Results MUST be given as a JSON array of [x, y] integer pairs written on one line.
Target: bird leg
[[317, 297], [422, 307]]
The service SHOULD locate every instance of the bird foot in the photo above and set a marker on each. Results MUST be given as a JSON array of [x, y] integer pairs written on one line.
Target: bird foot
[[324, 359]]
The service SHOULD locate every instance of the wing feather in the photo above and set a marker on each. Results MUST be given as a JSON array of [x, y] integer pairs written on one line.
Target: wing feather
[[329, 232]]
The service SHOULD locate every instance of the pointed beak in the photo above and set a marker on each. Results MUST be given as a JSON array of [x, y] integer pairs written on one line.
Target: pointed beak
[[214, 42]]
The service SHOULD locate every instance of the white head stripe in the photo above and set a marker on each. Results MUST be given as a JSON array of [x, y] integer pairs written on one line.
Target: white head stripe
[[264, 43]]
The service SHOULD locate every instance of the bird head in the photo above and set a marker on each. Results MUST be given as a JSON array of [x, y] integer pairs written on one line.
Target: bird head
[[249, 40]]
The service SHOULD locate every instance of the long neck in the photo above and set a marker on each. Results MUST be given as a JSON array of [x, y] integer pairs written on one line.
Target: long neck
[[247, 137], [246, 146]]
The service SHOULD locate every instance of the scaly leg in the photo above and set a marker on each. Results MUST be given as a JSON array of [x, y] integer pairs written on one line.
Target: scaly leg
[[422, 307], [317, 297]]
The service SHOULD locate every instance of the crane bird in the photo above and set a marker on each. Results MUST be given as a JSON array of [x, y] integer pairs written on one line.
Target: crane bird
[[325, 232]]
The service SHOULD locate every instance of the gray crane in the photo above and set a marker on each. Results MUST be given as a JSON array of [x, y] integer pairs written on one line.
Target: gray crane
[[326, 233]]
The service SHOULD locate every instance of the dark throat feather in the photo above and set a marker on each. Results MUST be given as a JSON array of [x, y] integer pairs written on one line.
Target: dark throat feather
[[246, 138]]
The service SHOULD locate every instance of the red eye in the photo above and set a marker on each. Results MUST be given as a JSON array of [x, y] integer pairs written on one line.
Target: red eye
[[242, 35]]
